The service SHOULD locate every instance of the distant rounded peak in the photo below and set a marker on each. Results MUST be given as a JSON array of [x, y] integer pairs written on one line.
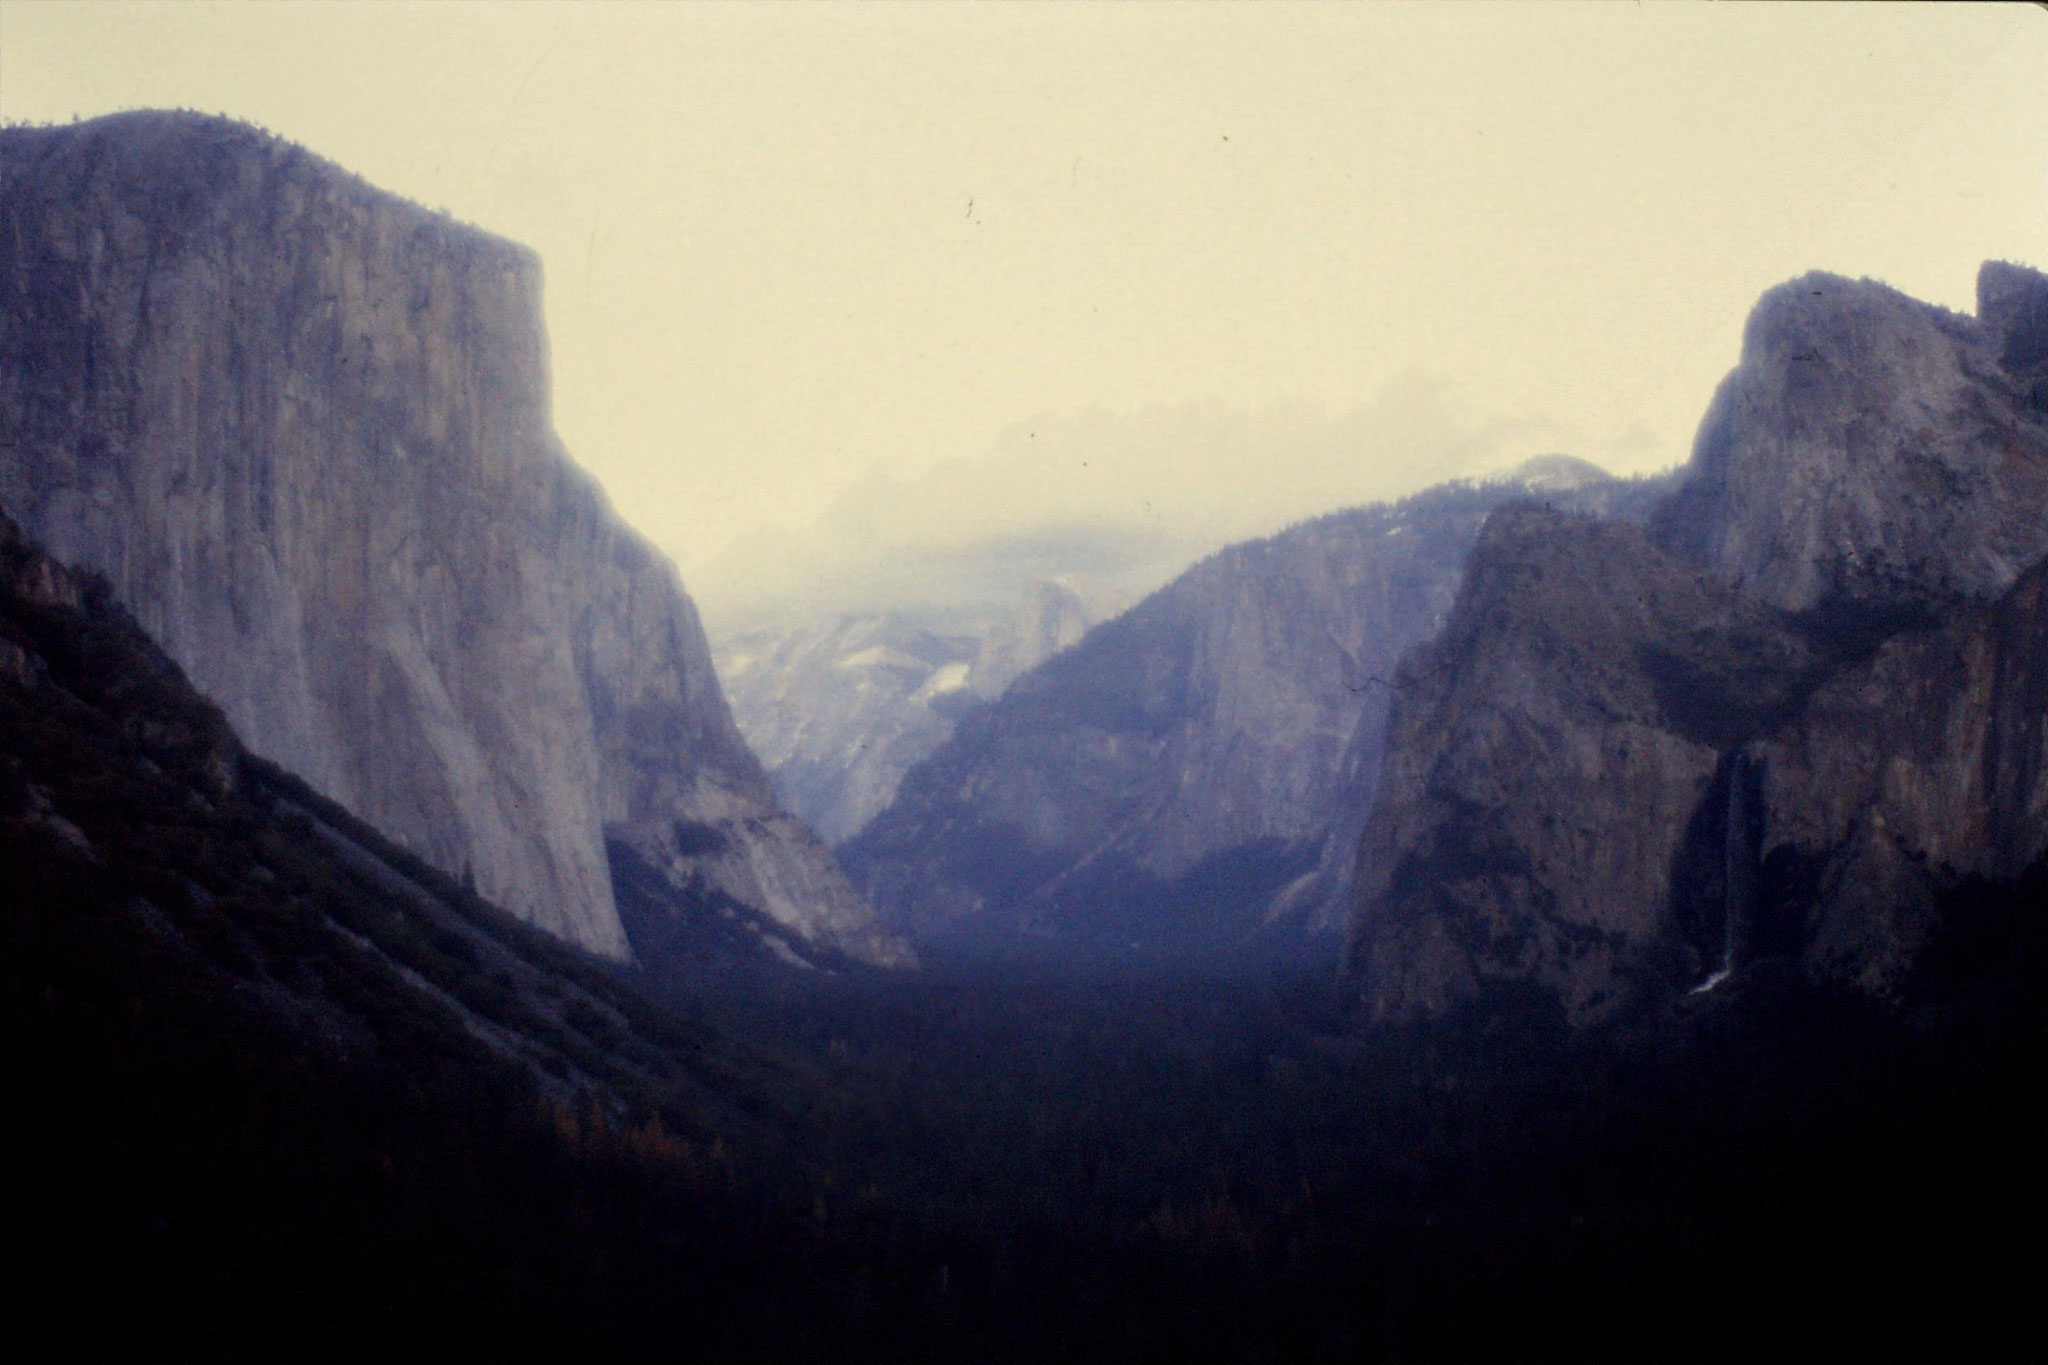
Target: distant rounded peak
[[1056, 588], [1079, 593], [1554, 473], [1100, 599]]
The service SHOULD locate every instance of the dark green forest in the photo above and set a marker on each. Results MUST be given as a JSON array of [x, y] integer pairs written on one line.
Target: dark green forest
[[279, 1091]]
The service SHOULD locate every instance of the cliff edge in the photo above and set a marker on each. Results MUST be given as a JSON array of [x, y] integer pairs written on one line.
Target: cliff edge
[[302, 428]]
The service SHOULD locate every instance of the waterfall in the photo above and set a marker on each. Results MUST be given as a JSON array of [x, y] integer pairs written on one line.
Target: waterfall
[[1738, 865]]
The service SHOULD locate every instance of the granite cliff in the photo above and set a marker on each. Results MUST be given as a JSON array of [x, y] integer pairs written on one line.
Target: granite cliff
[[301, 426], [1189, 779], [193, 879], [1777, 725], [1870, 449]]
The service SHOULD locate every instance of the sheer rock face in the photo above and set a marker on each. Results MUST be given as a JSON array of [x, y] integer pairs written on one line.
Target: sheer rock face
[[1922, 763], [302, 428], [1173, 783], [1544, 758], [1873, 449], [1628, 766]]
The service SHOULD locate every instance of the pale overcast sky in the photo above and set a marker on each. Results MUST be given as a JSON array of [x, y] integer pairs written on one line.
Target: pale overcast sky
[[800, 254]]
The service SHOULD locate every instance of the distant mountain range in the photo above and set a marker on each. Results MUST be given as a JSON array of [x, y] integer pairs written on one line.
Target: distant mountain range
[[1768, 710], [839, 710], [1188, 781]]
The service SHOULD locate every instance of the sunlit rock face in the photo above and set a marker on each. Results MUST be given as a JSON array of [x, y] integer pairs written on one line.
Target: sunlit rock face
[[302, 428], [1776, 726], [1189, 779]]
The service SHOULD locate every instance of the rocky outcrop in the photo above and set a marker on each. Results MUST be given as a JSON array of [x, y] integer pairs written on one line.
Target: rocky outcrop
[[301, 427], [1870, 449], [1171, 785], [1630, 768]]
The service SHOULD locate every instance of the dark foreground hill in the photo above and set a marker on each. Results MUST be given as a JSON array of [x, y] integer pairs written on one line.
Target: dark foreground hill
[[280, 1088]]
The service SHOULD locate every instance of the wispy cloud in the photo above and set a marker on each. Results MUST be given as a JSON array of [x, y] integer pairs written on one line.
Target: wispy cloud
[[1122, 498]]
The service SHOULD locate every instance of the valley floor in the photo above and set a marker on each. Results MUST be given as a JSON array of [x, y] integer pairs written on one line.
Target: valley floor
[[1002, 1166], [1206, 1168]]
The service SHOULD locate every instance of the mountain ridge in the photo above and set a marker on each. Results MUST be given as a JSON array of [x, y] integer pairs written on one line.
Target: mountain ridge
[[1164, 787]]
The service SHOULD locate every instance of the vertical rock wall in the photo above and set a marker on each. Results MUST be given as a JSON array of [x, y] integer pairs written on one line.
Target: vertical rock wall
[[1835, 649], [302, 426]]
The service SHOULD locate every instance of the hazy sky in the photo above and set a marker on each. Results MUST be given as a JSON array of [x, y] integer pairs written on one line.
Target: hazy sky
[[804, 258]]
